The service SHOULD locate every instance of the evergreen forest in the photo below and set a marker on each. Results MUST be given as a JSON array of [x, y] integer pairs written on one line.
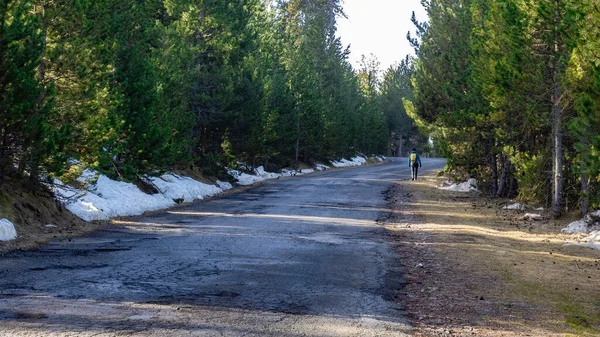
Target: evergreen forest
[[130, 87], [510, 91]]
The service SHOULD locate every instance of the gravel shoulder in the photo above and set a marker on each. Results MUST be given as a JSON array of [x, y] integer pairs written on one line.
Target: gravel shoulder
[[473, 269]]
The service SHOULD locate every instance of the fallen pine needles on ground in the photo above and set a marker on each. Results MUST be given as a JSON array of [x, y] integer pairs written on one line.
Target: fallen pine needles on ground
[[474, 269]]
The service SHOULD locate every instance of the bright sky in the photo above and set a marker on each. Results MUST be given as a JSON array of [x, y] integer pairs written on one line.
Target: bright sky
[[379, 27]]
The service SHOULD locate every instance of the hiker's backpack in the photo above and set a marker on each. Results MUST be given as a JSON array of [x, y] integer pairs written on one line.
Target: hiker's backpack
[[413, 157]]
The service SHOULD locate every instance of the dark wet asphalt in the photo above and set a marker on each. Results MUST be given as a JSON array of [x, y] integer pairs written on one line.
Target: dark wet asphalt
[[300, 256]]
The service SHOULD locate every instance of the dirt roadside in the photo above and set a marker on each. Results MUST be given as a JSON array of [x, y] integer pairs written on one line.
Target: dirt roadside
[[474, 269]]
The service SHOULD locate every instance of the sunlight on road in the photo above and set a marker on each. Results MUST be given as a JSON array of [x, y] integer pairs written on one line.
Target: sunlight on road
[[315, 219]]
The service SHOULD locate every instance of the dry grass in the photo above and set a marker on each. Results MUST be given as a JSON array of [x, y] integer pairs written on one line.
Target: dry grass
[[486, 272], [31, 212]]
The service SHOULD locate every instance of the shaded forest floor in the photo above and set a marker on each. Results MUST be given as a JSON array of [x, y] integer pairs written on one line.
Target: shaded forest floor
[[474, 269]]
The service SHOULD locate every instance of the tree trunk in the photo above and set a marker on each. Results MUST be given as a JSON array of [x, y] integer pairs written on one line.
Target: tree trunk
[[494, 167], [585, 190], [400, 145], [297, 145], [557, 161], [505, 164], [557, 136], [34, 156]]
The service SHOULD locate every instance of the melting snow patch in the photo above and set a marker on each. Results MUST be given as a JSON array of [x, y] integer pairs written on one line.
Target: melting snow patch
[[589, 224], [515, 207], [244, 178], [7, 230], [468, 186], [531, 216], [576, 227], [321, 167], [264, 175], [177, 188], [356, 161], [87, 176], [108, 198], [590, 241], [224, 185]]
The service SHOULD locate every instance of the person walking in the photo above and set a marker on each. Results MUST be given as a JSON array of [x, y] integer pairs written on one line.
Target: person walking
[[414, 162]]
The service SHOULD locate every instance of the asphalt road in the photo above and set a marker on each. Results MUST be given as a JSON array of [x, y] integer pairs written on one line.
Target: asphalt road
[[300, 256]]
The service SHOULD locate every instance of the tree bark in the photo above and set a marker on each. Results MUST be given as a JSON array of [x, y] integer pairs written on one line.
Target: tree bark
[[557, 136], [585, 190], [494, 167], [297, 145], [557, 162], [400, 145], [505, 163]]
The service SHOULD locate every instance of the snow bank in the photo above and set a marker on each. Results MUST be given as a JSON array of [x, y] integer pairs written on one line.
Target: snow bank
[[467, 186], [243, 178], [7, 230], [589, 224], [106, 198], [515, 207], [184, 188], [260, 174], [224, 185], [576, 227], [260, 171], [356, 161]]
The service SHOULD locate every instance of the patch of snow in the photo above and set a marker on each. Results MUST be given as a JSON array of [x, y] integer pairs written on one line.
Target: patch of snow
[[321, 167], [260, 171], [515, 207], [63, 192], [7, 230], [187, 189], [540, 209], [108, 198], [244, 166], [579, 226], [87, 176], [244, 179], [590, 241], [356, 161], [532, 216], [289, 173], [467, 186], [224, 185], [50, 226]]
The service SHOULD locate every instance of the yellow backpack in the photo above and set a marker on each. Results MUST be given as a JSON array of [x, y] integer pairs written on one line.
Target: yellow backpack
[[413, 157]]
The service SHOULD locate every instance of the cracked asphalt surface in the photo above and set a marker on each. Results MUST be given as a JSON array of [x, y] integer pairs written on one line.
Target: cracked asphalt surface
[[301, 256]]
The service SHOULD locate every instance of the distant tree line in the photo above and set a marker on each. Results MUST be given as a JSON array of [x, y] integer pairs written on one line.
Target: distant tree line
[[129, 87], [511, 92]]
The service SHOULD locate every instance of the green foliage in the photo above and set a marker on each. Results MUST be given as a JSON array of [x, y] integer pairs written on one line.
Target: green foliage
[[509, 90], [129, 87]]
